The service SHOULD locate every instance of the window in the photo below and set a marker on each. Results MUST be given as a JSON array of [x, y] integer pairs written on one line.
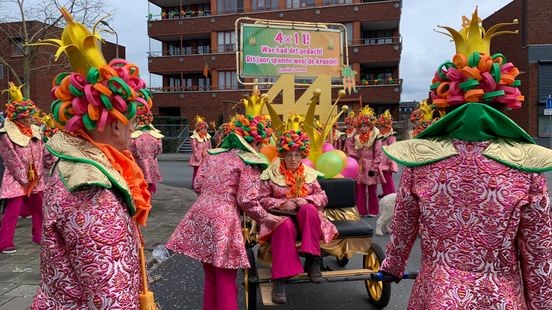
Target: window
[[349, 27], [227, 41], [174, 82], [294, 4], [204, 83], [203, 46], [374, 37], [229, 6], [1, 72], [264, 5], [227, 80], [330, 2], [17, 46]]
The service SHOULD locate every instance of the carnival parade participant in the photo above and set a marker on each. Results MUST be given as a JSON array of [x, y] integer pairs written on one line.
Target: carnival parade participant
[[97, 196], [227, 183], [387, 166], [350, 133], [221, 133], [368, 152], [22, 184], [145, 146], [201, 142], [289, 185], [337, 138], [479, 200]]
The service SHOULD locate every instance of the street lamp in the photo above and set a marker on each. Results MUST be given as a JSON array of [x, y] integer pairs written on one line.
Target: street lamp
[[116, 37]]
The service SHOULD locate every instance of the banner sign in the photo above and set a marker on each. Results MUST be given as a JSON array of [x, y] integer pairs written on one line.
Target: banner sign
[[273, 50]]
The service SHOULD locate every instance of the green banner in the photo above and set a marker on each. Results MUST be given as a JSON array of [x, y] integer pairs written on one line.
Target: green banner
[[275, 50]]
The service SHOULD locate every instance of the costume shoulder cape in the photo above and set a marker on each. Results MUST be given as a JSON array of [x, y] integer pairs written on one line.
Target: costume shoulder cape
[[510, 144], [273, 173], [82, 165], [149, 129], [16, 136], [247, 154]]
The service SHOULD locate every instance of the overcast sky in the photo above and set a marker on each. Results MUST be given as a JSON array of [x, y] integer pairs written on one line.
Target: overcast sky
[[423, 48]]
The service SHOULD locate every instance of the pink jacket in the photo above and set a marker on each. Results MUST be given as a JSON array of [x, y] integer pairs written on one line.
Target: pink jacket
[[17, 160], [275, 195], [89, 253], [349, 147], [145, 150], [369, 157], [486, 234], [199, 150], [211, 230], [386, 163]]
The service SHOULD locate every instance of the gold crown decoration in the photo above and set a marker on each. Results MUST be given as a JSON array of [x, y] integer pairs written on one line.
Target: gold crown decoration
[[81, 45], [254, 103], [367, 111], [473, 37], [426, 111], [14, 92], [294, 122], [387, 115]]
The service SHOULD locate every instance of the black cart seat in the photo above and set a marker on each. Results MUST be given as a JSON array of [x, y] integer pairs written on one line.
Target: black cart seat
[[341, 194]]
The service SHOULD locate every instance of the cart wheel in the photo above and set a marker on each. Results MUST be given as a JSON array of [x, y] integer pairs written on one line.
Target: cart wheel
[[250, 282], [342, 262], [379, 292]]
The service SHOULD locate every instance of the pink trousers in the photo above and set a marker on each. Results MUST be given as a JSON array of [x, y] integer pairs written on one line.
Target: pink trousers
[[389, 186], [219, 288], [373, 205], [11, 215], [285, 257]]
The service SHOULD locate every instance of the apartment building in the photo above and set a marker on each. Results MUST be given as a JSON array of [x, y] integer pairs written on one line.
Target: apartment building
[[197, 63]]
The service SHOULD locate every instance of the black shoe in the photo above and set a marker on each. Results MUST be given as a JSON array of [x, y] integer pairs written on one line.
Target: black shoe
[[279, 291], [381, 196], [312, 267]]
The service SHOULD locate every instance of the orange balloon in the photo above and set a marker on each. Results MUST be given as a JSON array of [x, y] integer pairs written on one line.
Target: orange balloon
[[338, 176], [270, 151]]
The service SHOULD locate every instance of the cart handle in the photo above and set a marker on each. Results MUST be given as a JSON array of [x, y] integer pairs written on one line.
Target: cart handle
[[379, 276]]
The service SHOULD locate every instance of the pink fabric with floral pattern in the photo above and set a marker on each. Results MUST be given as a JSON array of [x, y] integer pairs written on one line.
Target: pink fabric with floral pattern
[[211, 230], [199, 151], [16, 164], [145, 150], [369, 158], [89, 252], [486, 234], [349, 146], [386, 163], [274, 195]]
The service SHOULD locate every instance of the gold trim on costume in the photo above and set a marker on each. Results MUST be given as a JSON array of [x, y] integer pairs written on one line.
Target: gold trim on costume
[[81, 174], [341, 248], [16, 136], [152, 131], [417, 152], [196, 136], [273, 173], [523, 156]]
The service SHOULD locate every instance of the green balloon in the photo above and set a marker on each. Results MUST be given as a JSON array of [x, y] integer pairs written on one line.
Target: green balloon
[[330, 164]]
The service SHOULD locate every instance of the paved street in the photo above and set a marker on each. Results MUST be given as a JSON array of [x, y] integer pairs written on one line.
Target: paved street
[[178, 282]]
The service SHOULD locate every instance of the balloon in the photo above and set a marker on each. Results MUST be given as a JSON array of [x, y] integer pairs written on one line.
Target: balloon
[[341, 155], [338, 176], [327, 147], [351, 168], [308, 162], [330, 164], [270, 151]]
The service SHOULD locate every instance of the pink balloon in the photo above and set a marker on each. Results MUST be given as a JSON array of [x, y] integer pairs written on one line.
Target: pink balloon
[[308, 162], [327, 147], [351, 168]]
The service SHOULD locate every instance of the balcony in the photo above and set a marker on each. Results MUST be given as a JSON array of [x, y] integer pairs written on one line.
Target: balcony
[[170, 64], [365, 51], [387, 11]]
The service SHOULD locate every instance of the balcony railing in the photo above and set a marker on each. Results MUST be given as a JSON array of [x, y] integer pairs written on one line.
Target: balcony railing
[[179, 15], [181, 52], [377, 41], [181, 89]]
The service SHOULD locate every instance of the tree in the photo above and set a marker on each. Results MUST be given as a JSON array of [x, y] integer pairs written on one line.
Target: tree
[[32, 21]]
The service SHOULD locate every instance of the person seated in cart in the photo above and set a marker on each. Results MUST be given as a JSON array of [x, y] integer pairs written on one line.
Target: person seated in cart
[[289, 185]]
